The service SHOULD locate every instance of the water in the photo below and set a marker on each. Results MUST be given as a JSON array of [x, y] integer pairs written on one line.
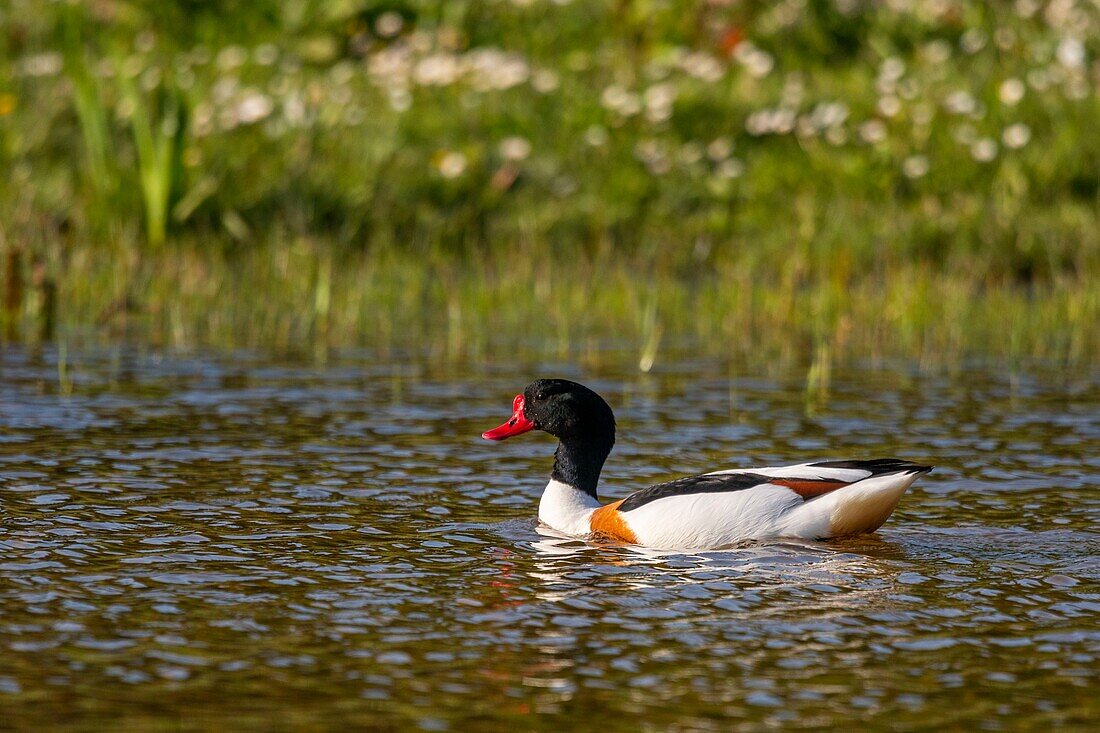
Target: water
[[202, 542]]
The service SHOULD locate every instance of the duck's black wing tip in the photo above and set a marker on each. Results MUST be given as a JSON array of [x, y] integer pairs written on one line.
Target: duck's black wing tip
[[877, 466]]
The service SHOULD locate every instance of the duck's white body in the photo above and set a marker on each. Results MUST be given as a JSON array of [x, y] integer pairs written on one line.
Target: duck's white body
[[848, 501], [713, 510]]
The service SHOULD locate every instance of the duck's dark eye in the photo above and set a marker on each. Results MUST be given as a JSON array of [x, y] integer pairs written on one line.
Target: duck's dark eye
[[540, 396]]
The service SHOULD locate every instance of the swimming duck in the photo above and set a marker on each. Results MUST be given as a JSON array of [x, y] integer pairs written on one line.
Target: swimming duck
[[815, 501]]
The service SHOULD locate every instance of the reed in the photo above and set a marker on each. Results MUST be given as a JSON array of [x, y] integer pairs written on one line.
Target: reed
[[190, 296], [159, 128], [92, 115]]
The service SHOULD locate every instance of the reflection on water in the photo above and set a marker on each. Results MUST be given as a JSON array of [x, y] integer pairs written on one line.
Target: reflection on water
[[190, 541]]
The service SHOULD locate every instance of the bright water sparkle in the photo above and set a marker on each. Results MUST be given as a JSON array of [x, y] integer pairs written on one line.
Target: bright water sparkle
[[203, 541]]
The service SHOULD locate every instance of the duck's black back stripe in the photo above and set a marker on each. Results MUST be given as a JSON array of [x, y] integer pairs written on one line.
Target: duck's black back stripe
[[719, 483], [703, 484], [877, 466]]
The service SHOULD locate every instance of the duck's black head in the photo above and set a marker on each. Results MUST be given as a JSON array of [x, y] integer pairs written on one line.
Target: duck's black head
[[578, 417]]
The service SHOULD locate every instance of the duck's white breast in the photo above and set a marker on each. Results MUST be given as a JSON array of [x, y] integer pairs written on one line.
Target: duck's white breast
[[567, 509]]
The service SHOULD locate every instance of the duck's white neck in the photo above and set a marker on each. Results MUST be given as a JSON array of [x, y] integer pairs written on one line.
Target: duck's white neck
[[566, 508]]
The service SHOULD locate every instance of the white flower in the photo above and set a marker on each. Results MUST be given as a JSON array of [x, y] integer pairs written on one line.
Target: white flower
[[253, 107], [651, 152], [915, 166], [231, 57], [1027, 8], [596, 136], [400, 99], [771, 122], [889, 106], [719, 149], [793, 91], [892, 69], [613, 97], [658, 102], [150, 79], [960, 103], [757, 62], [1038, 79], [732, 168], [984, 150], [1076, 88], [391, 66], [1011, 91], [873, 131], [703, 66], [439, 69], [1005, 38], [1071, 53], [43, 64], [937, 51], [224, 89], [389, 24], [1016, 135], [691, 152], [836, 135], [491, 68], [972, 41], [783, 121], [544, 81], [203, 119], [514, 148], [660, 95], [294, 110], [342, 73], [617, 99], [829, 114], [266, 54], [805, 127], [451, 164]]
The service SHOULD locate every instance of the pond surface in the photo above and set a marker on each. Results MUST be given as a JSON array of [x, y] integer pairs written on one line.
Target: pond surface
[[196, 542]]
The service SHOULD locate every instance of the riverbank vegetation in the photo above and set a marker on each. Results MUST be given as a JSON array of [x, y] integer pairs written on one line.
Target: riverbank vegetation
[[800, 179]]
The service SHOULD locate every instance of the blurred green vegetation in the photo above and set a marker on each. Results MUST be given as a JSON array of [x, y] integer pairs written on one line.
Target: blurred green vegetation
[[913, 178]]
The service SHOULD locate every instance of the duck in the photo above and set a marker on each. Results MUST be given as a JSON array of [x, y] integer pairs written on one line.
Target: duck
[[822, 500]]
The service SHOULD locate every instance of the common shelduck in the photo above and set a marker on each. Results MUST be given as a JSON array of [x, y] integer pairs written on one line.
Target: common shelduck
[[811, 500]]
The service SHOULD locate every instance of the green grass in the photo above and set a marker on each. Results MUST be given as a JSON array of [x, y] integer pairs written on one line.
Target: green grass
[[774, 180], [300, 293]]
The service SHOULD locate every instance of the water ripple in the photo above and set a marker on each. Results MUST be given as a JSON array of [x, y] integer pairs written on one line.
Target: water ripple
[[283, 544]]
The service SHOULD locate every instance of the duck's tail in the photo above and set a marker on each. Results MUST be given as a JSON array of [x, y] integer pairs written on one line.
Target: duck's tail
[[860, 507]]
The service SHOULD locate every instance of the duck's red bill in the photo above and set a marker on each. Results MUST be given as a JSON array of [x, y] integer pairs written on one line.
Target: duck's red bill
[[516, 425]]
